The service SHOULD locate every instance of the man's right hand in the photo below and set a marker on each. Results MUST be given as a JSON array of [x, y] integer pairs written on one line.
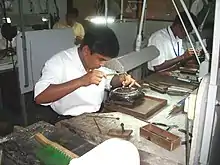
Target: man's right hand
[[92, 77]]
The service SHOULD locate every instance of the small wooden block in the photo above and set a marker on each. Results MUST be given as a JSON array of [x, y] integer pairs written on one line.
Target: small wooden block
[[160, 137], [118, 133]]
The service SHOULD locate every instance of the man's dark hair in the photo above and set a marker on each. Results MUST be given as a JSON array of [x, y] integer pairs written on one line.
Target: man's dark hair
[[101, 40], [73, 11], [186, 21]]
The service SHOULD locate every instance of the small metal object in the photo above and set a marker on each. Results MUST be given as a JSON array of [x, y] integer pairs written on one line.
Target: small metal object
[[169, 127], [122, 127], [108, 117], [97, 126]]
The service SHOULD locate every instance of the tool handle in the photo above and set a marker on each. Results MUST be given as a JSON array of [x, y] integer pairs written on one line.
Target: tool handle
[[160, 124], [44, 141]]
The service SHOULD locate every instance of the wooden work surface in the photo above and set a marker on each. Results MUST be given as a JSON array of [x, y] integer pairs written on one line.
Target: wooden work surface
[[85, 126], [169, 81], [20, 146]]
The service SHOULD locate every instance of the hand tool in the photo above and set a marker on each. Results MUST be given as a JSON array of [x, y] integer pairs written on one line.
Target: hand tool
[[122, 127], [108, 117], [97, 126], [185, 132], [169, 127], [177, 108], [51, 153]]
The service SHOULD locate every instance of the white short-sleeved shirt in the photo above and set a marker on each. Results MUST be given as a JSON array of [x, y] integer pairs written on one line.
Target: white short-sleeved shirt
[[169, 46], [66, 66]]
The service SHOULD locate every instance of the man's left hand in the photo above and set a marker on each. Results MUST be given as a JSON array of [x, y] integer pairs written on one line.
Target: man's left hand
[[127, 80]]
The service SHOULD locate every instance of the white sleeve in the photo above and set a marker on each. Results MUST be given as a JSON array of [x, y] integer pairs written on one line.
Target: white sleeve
[[157, 41], [51, 74]]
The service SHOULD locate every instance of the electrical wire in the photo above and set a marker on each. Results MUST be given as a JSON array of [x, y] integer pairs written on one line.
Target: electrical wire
[[57, 9]]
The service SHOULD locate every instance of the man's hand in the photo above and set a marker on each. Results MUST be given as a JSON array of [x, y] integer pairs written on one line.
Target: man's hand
[[92, 77], [127, 80], [79, 38], [191, 52]]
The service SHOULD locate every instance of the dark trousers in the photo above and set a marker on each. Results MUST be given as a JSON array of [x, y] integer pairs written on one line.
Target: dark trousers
[[55, 117]]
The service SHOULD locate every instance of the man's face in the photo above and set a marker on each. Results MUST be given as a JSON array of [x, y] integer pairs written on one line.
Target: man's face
[[71, 19], [93, 60], [180, 31]]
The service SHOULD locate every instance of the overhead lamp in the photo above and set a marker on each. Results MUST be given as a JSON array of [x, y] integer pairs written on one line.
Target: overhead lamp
[[8, 20], [100, 20], [44, 19]]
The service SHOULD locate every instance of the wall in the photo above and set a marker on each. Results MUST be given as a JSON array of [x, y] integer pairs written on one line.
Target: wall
[[85, 9], [39, 6]]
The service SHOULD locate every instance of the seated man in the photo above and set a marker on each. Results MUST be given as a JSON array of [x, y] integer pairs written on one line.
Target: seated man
[[73, 81], [71, 22], [169, 42]]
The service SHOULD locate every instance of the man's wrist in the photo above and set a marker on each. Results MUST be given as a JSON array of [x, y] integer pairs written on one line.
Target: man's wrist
[[80, 82]]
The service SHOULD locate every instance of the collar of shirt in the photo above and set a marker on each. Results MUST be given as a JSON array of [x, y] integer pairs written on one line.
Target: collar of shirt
[[176, 42]]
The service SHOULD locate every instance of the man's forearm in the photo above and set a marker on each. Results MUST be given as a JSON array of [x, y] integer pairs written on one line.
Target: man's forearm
[[168, 64], [57, 91]]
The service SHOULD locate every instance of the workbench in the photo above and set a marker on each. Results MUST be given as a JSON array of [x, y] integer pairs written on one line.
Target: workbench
[[19, 148], [80, 134], [85, 126]]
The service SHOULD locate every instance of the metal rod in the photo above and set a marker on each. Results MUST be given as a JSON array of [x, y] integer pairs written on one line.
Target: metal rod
[[24, 46], [22, 98], [196, 55], [97, 126], [122, 10], [139, 36], [105, 117], [203, 22], [187, 141], [195, 29], [106, 12]]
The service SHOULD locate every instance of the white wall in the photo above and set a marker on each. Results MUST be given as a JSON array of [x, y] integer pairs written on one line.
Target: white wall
[[39, 7]]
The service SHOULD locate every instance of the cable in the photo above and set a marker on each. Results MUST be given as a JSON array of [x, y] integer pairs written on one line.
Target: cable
[[57, 9]]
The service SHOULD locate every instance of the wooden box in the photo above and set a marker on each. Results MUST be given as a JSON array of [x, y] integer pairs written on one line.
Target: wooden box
[[160, 137]]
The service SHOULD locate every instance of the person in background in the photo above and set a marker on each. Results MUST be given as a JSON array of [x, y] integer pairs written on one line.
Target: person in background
[[169, 42], [73, 81], [197, 6], [71, 22]]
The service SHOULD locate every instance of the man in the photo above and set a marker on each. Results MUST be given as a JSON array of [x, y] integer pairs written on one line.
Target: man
[[73, 81], [71, 22], [169, 42]]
